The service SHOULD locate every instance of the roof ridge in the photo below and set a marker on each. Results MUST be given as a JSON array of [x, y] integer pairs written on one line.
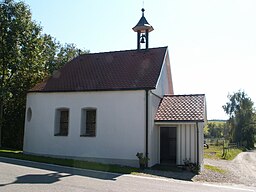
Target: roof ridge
[[141, 50]]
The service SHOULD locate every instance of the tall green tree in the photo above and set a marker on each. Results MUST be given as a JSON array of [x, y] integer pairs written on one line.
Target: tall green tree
[[27, 56], [241, 118], [64, 54], [21, 60]]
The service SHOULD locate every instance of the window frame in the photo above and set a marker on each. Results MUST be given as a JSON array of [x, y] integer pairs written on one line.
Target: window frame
[[85, 131], [60, 129]]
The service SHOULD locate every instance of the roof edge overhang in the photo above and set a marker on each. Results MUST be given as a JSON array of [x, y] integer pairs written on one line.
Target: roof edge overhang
[[163, 62], [96, 90], [181, 95], [160, 122], [143, 28]]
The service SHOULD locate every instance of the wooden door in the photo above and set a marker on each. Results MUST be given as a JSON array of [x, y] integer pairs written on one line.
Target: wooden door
[[168, 145]]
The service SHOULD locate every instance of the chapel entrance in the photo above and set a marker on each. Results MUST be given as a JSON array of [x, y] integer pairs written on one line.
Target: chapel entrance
[[168, 145]]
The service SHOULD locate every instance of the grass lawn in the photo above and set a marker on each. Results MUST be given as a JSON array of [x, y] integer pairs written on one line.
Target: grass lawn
[[214, 169], [69, 162], [216, 152]]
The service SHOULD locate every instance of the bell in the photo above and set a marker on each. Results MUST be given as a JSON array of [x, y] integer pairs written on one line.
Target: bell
[[142, 39]]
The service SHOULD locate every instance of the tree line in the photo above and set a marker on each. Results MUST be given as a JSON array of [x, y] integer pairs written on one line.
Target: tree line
[[242, 119], [216, 129], [241, 126], [27, 56]]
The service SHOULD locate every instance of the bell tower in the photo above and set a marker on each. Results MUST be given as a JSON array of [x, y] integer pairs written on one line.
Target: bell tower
[[142, 28]]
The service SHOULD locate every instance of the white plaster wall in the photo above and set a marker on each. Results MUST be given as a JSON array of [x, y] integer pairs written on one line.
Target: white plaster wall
[[187, 142], [201, 144], [163, 86], [120, 129], [154, 131]]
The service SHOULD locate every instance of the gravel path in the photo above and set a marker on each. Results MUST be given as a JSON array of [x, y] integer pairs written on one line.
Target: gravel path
[[241, 170]]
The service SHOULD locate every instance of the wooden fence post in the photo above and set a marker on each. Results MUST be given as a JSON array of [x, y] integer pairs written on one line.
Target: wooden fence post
[[223, 148]]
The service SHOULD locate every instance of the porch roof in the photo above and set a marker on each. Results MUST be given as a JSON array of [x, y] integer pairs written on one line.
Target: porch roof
[[181, 108]]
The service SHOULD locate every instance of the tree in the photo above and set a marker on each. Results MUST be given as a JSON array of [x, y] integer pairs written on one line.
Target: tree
[[27, 56], [17, 34], [215, 129], [64, 54], [22, 63], [241, 118]]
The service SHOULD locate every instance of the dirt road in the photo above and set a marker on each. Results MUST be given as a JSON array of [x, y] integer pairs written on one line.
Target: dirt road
[[241, 170]]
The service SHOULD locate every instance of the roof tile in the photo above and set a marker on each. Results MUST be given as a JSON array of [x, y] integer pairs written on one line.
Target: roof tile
[[120, 70], [181, 108]]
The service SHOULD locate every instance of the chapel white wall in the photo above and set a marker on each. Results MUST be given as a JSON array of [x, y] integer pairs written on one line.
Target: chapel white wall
[[120, 131], [163, 86]]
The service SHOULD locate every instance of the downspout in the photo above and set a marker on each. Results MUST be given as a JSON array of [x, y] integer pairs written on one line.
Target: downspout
[[197, 142], [146, 126]]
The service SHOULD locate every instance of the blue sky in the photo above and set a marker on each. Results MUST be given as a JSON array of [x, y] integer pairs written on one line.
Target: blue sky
[[212, 43]]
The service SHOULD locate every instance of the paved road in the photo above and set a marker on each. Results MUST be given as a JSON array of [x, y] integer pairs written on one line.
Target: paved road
[[16, 175]]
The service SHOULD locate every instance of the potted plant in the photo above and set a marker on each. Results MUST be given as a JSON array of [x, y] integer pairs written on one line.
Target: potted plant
[[143, 160], [189, 166]]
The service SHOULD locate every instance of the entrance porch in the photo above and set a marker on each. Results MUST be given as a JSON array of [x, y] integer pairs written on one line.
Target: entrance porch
[[181, 119], [180, 142]]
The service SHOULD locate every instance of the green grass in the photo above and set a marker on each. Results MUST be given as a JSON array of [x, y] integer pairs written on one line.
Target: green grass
[[82, 164], [69, 162], [216, 152], [232, 153], [214, 169]]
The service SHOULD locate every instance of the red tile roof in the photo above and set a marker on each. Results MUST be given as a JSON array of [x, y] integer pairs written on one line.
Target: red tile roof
[[120, 70], [181, 108]]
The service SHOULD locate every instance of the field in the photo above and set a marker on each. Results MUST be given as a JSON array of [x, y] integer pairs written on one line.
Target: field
[[216, 152]]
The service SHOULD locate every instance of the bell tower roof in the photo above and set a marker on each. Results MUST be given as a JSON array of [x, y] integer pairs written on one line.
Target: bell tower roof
[[143, 24]]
